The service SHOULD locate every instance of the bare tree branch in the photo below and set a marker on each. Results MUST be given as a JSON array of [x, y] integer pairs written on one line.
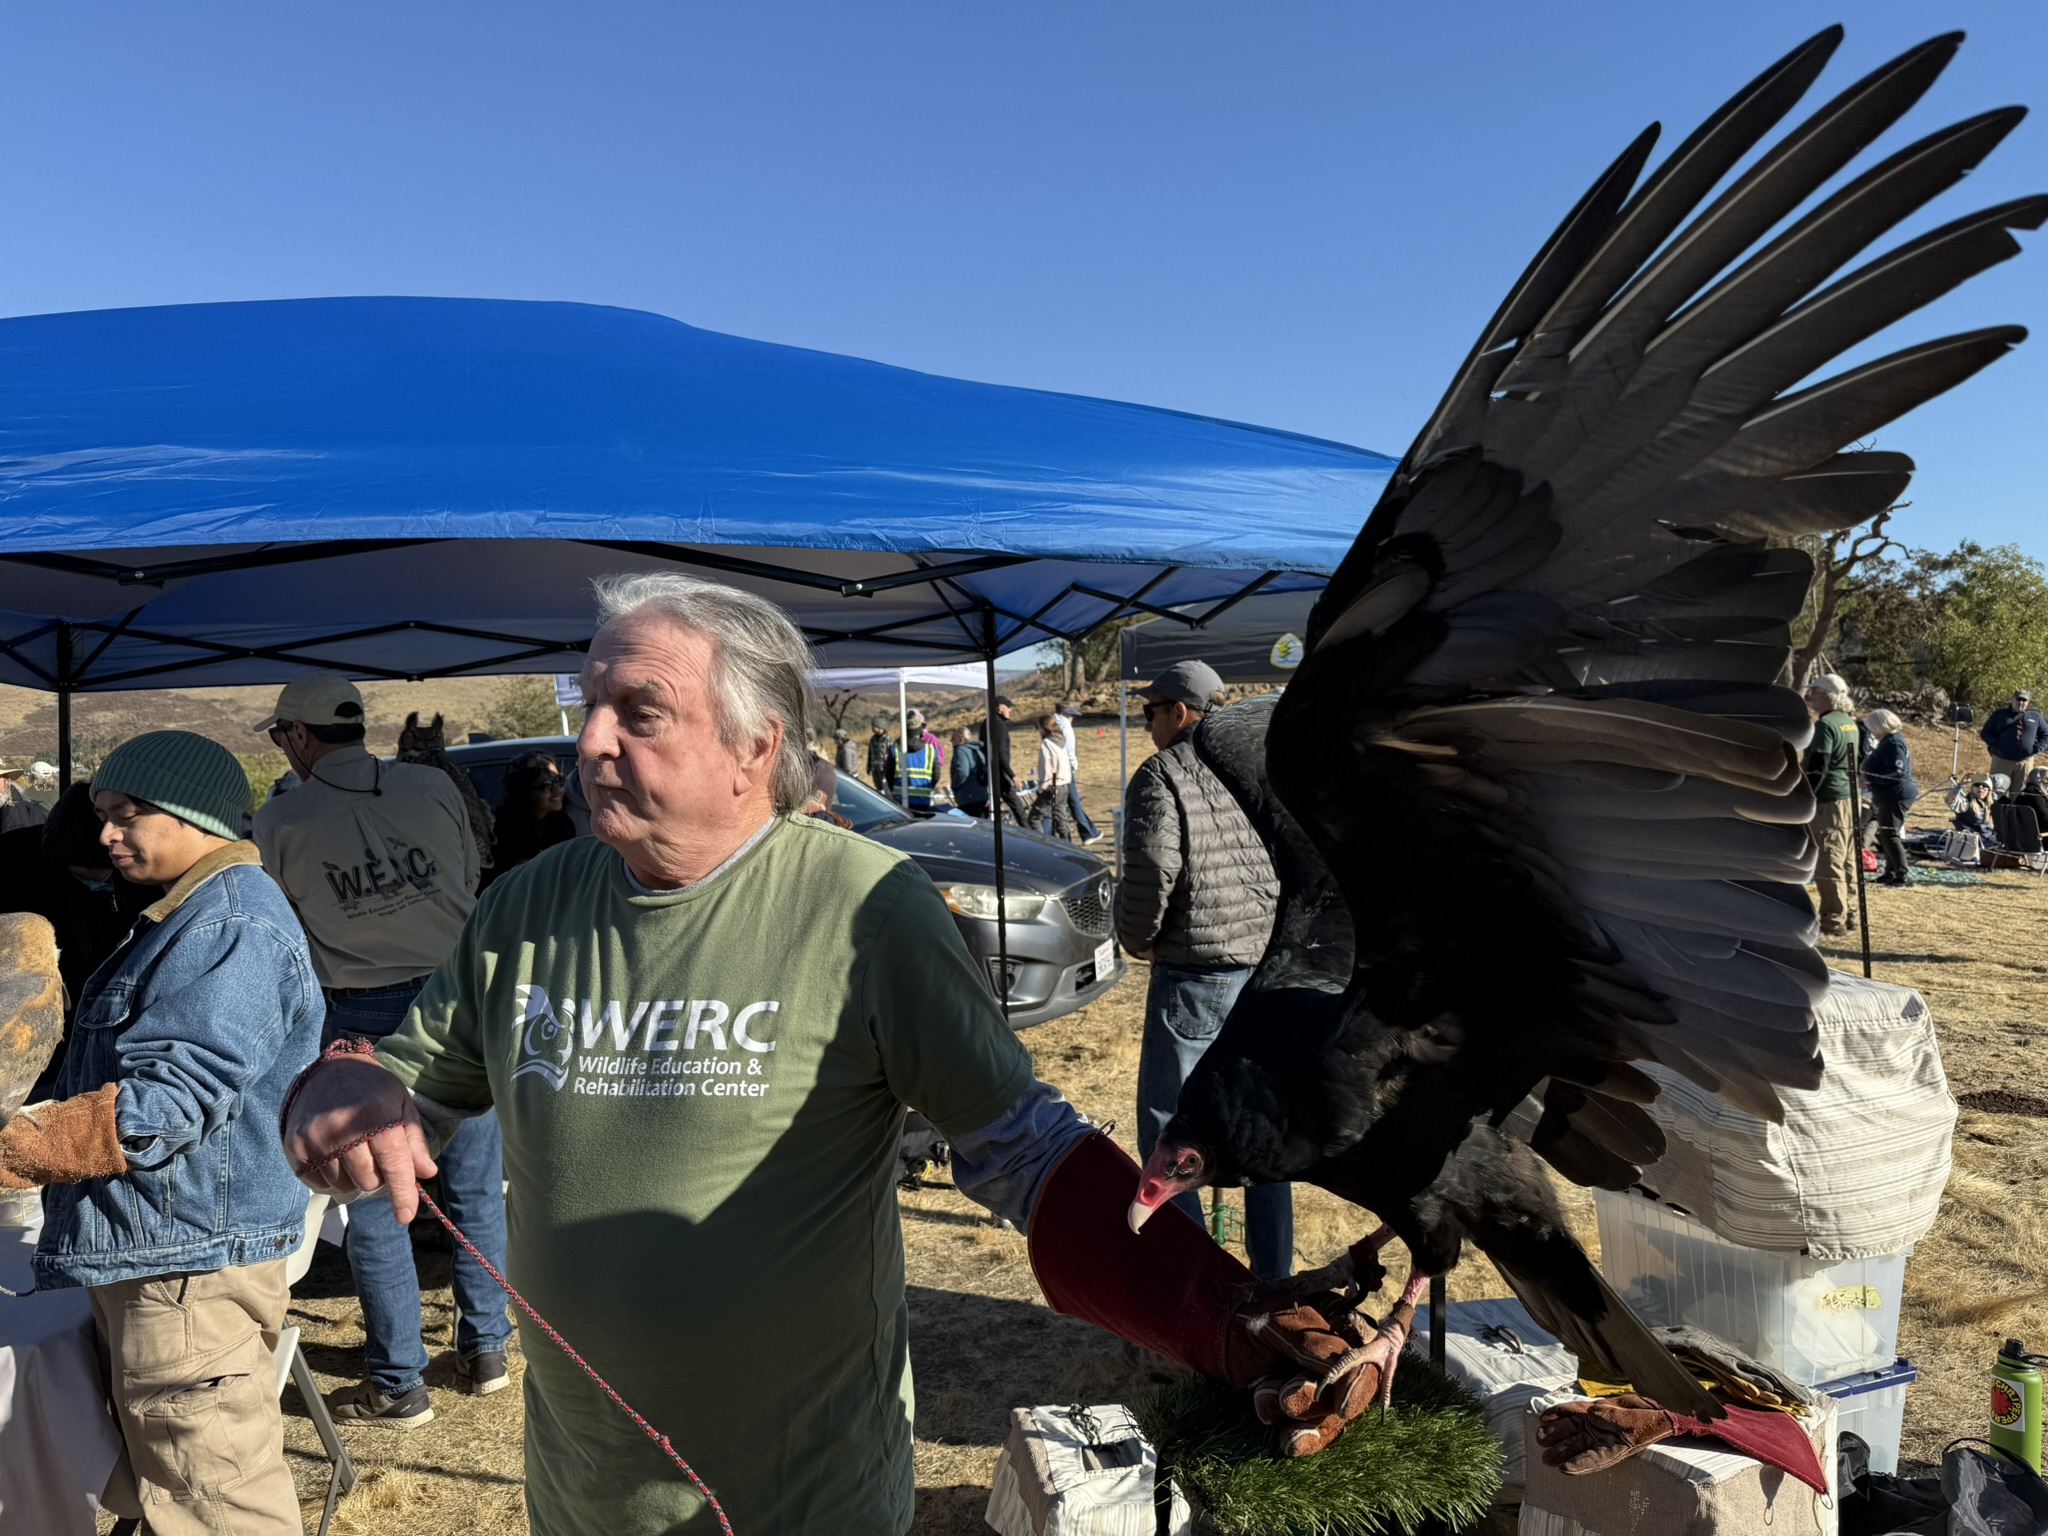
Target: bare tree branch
[[1837, 560]]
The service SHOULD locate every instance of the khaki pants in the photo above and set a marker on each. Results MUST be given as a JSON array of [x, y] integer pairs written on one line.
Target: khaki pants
[[1833, 830], [191, 1380]]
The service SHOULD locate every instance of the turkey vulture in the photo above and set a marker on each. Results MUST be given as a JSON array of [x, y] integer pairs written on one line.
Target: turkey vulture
[[1553, 671]]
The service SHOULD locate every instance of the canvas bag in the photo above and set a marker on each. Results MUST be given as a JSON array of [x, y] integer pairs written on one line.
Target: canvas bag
[[1495, 1351], [1079, 1472], [1858, 1167]]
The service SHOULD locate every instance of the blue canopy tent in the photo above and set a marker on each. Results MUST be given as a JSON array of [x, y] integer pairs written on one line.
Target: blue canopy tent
[[407, 488], [420, 487]]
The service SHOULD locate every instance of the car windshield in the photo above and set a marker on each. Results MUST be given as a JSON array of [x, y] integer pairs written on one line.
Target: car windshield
[[865, 808]]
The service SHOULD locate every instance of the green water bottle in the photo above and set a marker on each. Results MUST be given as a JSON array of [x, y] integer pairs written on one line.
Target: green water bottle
[[2016, 1403]]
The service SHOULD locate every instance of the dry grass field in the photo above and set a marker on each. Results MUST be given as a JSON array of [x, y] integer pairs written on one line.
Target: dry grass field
[[28, 717], [983, 1341]]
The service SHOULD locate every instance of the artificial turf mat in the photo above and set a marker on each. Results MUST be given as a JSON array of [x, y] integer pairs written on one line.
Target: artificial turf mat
[[1430, 1465]]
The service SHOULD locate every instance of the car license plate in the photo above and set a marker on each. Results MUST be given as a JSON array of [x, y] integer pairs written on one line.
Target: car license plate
[[1105, 959]]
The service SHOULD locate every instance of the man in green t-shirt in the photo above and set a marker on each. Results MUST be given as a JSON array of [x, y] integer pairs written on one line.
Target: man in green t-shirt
[[1830, 764], [699, 1032]]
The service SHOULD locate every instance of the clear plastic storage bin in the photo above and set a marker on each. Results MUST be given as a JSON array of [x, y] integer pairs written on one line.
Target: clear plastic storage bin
[[1814, 1321], [1873, 1404]]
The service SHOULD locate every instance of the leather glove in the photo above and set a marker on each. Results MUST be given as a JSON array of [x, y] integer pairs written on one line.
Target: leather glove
[[1172, 1290], [1338, 1372], [62, 1141], [1591, 1435]]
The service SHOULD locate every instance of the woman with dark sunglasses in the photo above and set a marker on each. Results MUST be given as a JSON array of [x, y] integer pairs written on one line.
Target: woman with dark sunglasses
[[531, 816]]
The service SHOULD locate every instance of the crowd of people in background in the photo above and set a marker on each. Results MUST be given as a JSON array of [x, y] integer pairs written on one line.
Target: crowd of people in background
[[1866, 765], [978, 776]]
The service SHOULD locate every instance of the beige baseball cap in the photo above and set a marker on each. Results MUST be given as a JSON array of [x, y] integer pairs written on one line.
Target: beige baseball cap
[[318, 698]]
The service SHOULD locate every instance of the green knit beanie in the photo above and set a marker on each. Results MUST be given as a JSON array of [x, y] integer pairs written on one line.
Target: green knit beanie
[[196, 780]]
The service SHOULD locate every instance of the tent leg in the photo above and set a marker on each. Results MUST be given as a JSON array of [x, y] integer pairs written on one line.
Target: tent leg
[[997, 798], [1123, 761], [902, 742], [63, 706], [63, 738]]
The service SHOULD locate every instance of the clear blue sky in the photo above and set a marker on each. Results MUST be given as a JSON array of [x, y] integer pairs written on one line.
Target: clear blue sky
[[1294, 214]]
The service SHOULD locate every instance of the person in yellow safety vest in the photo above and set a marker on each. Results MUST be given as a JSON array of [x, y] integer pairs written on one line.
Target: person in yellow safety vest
[[920, 771], [922, 749]]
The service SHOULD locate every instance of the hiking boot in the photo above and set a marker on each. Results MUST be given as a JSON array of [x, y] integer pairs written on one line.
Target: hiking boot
[[364, 1404], [484, 1373]]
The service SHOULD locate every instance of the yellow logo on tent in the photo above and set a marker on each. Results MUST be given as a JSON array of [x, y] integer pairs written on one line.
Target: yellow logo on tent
[[1288, 651]]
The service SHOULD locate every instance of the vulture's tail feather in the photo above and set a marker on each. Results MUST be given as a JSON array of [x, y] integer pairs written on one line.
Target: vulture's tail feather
[[1572, 1300]]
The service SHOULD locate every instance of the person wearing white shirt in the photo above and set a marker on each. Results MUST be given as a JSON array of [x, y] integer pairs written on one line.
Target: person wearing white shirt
[[1066, 714], [1055, 780]]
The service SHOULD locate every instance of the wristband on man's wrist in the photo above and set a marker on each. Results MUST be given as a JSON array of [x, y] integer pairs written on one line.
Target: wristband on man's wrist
[[347, 1045]]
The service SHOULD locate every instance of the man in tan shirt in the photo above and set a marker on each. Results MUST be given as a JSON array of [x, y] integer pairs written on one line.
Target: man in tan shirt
[[380, 863]]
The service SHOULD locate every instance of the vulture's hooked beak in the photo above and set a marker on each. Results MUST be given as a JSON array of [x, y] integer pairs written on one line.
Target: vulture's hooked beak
[[1169, 1171]]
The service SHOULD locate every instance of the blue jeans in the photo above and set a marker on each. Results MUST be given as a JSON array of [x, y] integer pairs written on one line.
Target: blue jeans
[[380, 1250], [1185, 1007], [1075, 809]]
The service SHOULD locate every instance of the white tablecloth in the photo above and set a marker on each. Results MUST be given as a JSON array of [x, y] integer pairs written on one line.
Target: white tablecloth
[[57, 1437]]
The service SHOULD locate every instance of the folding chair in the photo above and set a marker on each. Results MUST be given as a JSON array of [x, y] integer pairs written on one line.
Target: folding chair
[[290, 1363], [2019, 832]]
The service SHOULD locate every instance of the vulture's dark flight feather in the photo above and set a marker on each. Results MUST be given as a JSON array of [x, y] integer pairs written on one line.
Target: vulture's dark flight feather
[[1553, 668]]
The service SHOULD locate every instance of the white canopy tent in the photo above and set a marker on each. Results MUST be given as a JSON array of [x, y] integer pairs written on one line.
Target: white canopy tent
[[879, 679]]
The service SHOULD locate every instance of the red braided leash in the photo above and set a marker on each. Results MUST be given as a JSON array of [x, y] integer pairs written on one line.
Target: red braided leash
[[566, 1348], [341, 1048]]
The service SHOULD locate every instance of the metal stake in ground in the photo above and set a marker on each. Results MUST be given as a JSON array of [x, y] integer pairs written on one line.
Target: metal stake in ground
[[1862, 896]]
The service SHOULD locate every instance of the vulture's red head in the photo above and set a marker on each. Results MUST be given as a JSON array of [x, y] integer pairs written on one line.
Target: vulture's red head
[[1177, 1164]]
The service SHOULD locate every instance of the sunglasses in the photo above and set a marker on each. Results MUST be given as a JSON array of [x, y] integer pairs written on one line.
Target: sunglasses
[[1156, 705]]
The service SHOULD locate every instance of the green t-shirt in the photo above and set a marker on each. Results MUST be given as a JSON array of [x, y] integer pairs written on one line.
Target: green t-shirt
[[702, 1094], [1831, 757]]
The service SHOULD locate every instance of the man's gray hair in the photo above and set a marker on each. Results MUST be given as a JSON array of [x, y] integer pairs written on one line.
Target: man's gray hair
[[760, 666], [1882, 722], [1837, 689]]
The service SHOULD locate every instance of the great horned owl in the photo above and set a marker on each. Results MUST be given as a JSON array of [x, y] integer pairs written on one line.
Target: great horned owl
[[428, 744]]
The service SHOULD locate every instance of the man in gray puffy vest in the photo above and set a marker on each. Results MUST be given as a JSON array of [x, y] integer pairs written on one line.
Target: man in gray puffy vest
[[1195, 898]]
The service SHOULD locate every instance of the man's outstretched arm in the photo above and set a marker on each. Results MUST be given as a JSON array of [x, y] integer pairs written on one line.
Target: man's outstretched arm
[[1168, 1288]]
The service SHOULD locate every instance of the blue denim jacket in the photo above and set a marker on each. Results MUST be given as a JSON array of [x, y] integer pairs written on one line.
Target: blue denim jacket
[[203, 1016]]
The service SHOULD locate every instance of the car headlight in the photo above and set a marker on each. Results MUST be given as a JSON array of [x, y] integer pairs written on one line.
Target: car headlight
[[980, 901]]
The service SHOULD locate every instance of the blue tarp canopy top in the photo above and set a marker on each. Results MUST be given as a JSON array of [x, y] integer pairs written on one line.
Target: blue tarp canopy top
[[232, 493]]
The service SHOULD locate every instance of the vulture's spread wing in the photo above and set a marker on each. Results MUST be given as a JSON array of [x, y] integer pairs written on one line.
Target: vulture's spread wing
[[1543, 735]]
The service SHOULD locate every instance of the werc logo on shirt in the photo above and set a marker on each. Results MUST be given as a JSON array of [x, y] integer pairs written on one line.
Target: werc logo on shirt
[[678, 1048], [379, 886]]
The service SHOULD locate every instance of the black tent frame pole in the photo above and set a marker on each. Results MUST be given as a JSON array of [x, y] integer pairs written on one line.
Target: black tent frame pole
[[998, 797], [63, 706], [1856, 853]]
